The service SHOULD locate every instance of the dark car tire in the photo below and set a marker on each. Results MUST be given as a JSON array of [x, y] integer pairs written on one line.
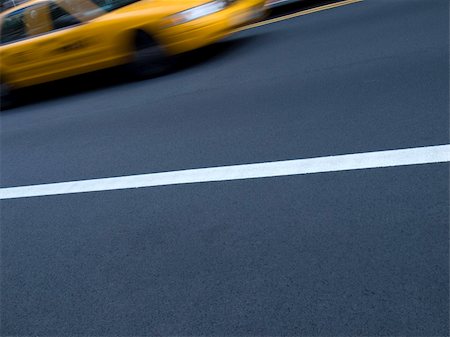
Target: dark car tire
[[149, 58]]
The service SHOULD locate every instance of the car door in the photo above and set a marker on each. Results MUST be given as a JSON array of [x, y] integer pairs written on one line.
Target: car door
[[66, 48], [57, 42], [17, 53], [76, 45], [39, 30], [37, 43]]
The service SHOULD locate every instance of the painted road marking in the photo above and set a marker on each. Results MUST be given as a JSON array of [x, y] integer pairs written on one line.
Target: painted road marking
[[358, 161], [297, 14]]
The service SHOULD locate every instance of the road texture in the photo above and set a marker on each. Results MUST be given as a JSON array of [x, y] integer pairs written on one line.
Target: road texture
[[362, 252]]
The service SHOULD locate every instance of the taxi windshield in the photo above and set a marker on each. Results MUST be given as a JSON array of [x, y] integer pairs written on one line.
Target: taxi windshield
[[110, 5]]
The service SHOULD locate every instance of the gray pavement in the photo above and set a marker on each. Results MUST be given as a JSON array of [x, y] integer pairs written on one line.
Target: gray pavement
[[349, 253]]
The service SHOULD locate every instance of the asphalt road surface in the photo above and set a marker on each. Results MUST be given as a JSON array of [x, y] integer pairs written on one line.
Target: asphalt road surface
[[359, 252]]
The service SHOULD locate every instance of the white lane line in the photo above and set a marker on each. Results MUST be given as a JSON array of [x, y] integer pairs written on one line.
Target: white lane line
[[358, 161]]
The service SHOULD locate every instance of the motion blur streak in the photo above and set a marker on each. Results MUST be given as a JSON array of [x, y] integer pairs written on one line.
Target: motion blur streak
[[46, 41], [297, 14]]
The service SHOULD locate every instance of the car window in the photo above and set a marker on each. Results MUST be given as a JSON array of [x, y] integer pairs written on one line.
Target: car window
[[61, 18], [13, 27], [110, 5], [37, 19], [83, 10]]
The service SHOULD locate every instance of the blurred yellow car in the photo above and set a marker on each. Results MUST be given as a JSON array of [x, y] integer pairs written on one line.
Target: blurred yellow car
[[46, 40]]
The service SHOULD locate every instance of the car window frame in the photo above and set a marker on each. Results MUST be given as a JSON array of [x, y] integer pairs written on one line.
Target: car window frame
[[52, 31], [23, 10], [55, 3]]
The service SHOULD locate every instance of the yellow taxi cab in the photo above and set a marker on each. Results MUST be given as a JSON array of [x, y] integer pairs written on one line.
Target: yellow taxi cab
[[46, 40]]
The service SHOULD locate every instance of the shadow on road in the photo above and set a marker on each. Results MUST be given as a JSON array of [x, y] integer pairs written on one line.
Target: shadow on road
[[298, 6], [108, 78]]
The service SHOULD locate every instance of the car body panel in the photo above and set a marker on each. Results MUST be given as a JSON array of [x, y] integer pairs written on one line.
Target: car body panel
[[91, 39]]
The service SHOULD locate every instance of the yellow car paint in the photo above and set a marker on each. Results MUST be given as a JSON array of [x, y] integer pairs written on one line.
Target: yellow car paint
[[44, 48]]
